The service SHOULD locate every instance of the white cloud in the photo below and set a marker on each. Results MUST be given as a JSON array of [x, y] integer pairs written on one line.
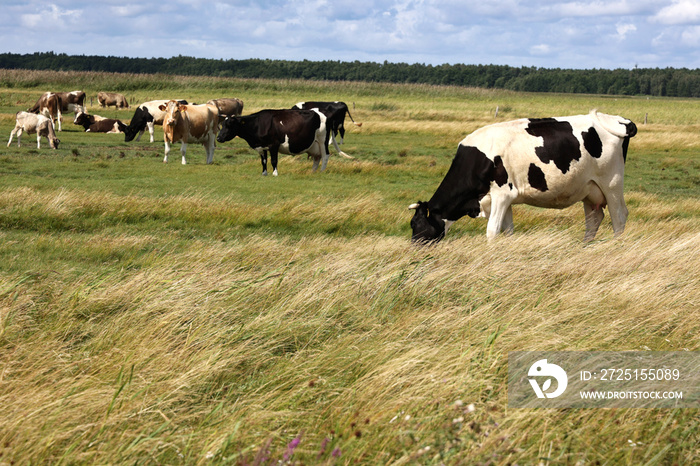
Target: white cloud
[[681, 12]]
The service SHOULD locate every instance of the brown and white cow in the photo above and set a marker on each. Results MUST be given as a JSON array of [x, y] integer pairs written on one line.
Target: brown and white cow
[[190, 123], [108, 99], [98, 124], [543, 162], [67, 102], [31, 123], [146, 116], [227, 107]]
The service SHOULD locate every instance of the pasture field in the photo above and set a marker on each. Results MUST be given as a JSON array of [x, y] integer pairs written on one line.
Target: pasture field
[[158, 313]]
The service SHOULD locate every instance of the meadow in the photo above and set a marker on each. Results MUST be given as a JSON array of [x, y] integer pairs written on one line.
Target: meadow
[[158, 313]]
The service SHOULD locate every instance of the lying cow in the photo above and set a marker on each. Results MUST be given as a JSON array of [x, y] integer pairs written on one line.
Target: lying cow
[[335, 120], [288, 131], [98, 124], [550, 162], [227, 107], [147, 115], [190, 123], [31, 123], [109, 99]]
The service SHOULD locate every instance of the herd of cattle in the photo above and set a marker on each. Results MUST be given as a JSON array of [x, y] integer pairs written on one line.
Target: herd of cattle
[[544, 162]]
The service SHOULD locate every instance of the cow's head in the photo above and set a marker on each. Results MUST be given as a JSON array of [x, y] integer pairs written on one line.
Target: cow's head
[[173, 110], [427, 226], [229, 129], [137, 123], [83, 119]]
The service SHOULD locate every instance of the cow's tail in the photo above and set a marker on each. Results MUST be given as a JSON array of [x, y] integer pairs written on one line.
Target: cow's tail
[[617, 130], [353, 120]]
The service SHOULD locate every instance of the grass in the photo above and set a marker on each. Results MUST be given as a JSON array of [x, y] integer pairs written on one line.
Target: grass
[[203, 314]]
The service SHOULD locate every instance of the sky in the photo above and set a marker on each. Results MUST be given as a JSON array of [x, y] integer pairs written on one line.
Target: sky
[[606, 34]]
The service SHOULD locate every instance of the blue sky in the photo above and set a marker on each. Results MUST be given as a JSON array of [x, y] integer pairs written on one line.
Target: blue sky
[[550, 34]]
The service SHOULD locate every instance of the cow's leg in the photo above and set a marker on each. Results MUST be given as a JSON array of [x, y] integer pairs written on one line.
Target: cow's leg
[[617, 209], [263, 161], [210, 145], [12, 134], [594, 217], [167, 151], [317, 159], [60, 117], [499, 211], [324, 157], [508, 226], [138, 138], [340, 152], [151, 129], [274, 152], [38, 140], [183, 151]]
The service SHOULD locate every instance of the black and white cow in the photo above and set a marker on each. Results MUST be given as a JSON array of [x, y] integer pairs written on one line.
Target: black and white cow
[[147, 115], [287, 131], [548, 162], [335, 120]]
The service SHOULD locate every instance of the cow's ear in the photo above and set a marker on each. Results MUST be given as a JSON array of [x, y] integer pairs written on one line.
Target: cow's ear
[[161, 107]]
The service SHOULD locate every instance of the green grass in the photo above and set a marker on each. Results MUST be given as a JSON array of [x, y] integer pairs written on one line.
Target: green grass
[[203, 314]]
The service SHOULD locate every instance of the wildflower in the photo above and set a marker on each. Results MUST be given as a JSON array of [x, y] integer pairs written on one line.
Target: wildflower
[[336, 453], [290, 448]]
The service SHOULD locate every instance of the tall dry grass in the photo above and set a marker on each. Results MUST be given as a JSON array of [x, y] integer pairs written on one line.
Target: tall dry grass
[[133, 347]]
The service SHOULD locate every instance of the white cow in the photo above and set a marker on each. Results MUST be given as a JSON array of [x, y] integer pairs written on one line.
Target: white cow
[[31, 123], [547, 162]]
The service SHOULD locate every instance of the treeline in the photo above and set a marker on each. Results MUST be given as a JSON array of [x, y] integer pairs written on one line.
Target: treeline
[[671, 82]]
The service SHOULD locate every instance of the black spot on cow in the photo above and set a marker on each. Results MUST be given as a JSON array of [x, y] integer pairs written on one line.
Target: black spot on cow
[[535, 176], [500, 175], [592, 143], [559, 145]]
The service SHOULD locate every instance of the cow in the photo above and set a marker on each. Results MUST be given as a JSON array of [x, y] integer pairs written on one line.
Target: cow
[[98, 124], [190, 123], [49, 105], [335, 120], [291, 132], [108, 99], [73, 101], [547, 162], [146, 115], [30, 124], [67, 102], [227, 107]]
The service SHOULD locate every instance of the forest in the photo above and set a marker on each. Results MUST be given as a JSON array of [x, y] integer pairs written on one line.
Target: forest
[[659, 82]]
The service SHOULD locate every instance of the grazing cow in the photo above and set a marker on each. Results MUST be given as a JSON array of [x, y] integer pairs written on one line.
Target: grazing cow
[[98, 124], [30, 124], [549, 162], [108, 99], [190, 123], [335, 120], [227, 107], [147, 115], [288, 131]]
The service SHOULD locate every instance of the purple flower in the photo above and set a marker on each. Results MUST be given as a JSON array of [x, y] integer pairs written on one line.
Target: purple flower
[[336, 452], [290, 448]]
